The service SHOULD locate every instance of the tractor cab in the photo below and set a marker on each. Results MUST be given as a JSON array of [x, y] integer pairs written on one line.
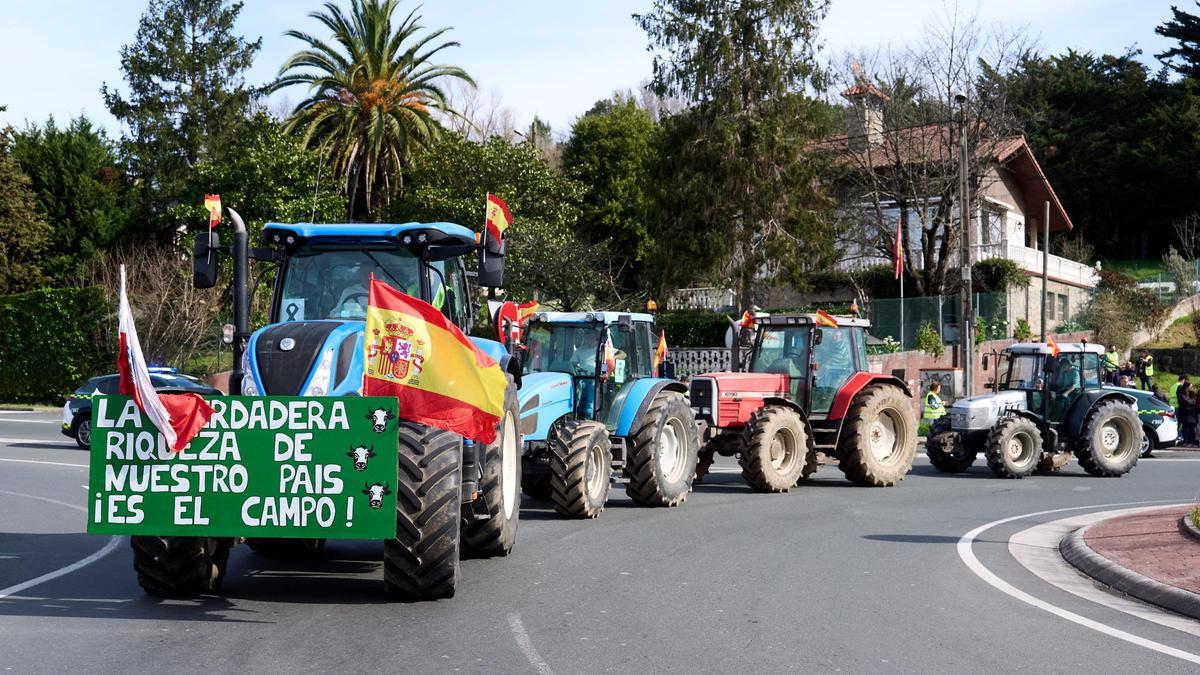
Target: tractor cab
[[817, 361], [1050, 384]]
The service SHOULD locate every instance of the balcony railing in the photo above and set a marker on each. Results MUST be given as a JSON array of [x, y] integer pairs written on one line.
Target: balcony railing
[[1030, 260]]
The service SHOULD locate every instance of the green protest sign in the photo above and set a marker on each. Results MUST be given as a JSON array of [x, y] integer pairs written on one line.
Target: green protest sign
[[281, 466]]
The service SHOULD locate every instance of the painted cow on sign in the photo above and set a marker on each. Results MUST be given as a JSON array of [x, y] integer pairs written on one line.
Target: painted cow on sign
[[361, 454], [375, 493], [379, 419]]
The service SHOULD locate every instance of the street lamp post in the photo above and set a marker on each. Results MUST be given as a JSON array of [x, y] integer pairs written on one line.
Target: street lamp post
[[967, 318]]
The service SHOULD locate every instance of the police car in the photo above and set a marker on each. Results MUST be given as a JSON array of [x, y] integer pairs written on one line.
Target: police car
[[77, 411], [1158, 420]]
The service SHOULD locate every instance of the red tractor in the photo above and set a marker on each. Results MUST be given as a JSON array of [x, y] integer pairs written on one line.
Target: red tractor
[[807, 391]]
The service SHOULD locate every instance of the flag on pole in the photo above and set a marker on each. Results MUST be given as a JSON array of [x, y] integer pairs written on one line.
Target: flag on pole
[[1054, 350], [898, 248], [826, 319], [526, 310], [747, 320], [438, 375], [178, 417], [610, 358], [660, 352], [498, 217], [212, 204]]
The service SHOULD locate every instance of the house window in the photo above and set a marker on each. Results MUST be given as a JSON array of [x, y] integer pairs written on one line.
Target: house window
[[1063, 308], [991, 225], [1050, 306]]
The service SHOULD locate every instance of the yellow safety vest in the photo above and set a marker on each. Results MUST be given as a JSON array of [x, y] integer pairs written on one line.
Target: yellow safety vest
[[934, 408]]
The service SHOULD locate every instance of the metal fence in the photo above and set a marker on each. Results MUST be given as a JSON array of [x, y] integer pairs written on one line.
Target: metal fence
[[689, 362], [940, 310]]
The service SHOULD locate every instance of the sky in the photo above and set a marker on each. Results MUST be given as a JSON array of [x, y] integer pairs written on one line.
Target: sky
[[552, 58]]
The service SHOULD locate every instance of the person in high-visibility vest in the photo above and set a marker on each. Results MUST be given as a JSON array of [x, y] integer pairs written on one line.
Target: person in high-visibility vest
[[1111, 364], [1145, 369], [934, 408]]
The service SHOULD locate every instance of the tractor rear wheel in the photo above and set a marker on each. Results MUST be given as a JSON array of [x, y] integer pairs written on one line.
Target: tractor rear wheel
[[663, 453], [1112, 440], [580, 469], [948, 453], [421, 561], [1014, 447], [286, 548], [777, 445], [879, 437], [499, 488], [179, 566]]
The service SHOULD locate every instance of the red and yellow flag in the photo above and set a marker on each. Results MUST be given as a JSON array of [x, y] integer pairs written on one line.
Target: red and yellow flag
[[526, 310], [660, 352], [498, 217], [747, 320], [212, 204], [1054, 350], [610, 358], [826, 319], [438, 375]]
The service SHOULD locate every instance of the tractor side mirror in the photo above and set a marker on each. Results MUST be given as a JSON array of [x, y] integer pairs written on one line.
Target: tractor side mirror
[[818, 335], [491, 266], [204, 260]]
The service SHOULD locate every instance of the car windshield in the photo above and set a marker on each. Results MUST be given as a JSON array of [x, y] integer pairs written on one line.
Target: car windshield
[[782, 350], [178, 381], [1024, 372], [330, 282], [562, 348], [104, 384]]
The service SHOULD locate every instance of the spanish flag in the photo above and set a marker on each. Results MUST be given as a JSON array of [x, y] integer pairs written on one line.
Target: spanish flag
[[660, 352], [747, 320], [1054, 350], [826, 319], [212, 204], [526, 310], [610, 358], [498, 217], [438, 376]]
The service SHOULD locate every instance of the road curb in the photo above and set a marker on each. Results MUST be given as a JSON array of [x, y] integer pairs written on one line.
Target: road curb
[[1075, 551], [1188, 528]]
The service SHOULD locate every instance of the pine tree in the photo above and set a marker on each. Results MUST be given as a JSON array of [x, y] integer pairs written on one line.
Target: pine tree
[[1185, 28], [24, 232]]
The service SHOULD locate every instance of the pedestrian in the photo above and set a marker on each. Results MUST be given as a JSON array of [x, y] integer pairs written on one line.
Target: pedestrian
[[1145, 369], [934, 407], [1175, 390], [1158, 393], [1185, 412], [1123, 381], [1111, 364], [1127, 370]]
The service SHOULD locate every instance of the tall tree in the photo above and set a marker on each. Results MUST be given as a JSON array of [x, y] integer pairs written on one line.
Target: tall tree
[[739, 176], [24, 232], [185, 74], [1185, 29], [373, 93], [609, 153], [80, 186]]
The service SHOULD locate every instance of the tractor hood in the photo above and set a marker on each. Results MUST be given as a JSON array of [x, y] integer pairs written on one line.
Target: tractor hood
[[543, 399], [305, 358], [982, 412], [738, 385]]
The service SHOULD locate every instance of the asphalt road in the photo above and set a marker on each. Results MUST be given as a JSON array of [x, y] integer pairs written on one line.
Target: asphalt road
[[829, 577]]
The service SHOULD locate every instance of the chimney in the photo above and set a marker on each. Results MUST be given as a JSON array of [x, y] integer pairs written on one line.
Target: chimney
[[864, 125]]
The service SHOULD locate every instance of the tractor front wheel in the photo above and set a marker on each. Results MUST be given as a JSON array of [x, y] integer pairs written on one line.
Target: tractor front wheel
[[777, 447], [179, 566], [663, 453], [580, 469], [422, 561], [500, 487], [879, 437], [1112, 440], [1014, 447], [948, 453]]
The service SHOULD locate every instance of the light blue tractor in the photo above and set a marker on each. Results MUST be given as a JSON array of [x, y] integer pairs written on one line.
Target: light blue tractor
[[593, 412], [454, 496]]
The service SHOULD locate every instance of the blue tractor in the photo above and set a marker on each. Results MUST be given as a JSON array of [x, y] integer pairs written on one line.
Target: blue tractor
[[454, 496], [594, 412]]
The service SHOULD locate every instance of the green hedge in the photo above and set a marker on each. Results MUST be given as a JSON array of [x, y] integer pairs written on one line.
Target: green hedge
[[53, 340], [693, 329]]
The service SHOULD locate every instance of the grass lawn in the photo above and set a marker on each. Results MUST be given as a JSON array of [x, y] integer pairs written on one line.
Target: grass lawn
[[1178, 335], [1141, 269]]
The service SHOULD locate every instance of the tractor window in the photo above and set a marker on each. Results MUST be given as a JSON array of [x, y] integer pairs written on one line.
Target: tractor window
[[628, 363], [860, 347], [455, 304], [562, 348], [328, 282], [833, 366], [1024, 373], [782, 350]]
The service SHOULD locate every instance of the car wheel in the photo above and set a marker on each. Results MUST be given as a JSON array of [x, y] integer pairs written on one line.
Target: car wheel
[[83, 433], [1148, 442]]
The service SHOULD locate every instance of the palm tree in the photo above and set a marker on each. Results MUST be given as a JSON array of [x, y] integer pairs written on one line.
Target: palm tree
[[373, 92]]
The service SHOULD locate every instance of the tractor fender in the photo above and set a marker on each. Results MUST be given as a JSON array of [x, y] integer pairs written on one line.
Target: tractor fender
[[543, 399], [1083, 406], [634, 400], [500, 355], [858, 382], [786, 403]]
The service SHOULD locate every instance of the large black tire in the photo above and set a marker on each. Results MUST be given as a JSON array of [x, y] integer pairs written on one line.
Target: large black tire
[[663, 453], [536, 485], [179, 567], [1149, 442], [948, 453], [287, 548], [879, 437], [1014, 447], [777, 447], [500, 487], [421, 561], [580, 469], [1112, 440]]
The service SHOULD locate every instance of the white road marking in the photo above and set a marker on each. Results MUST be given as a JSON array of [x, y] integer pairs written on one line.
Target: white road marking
[[38, 461], [526, 645], [1036, 549], [58, 422], [40, 441], [24, 412], [967, 554], [112, 544]]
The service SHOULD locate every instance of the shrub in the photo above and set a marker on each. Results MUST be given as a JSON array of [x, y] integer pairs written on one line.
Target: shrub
[[929, 340], [997, 275], [693, 329], [1022, 333], [53, 340]]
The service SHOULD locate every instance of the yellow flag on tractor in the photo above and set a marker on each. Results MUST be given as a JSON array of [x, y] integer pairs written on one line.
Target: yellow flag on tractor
[[438, 375], [212, 204], [498, 217], [660, 352], [526, 310], [826, 319]]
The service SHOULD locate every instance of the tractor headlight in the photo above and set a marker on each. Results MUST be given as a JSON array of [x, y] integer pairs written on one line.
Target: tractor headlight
[[319, 384]]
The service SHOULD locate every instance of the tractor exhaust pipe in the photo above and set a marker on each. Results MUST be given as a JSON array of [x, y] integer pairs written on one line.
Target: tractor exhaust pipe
[[241, 299]]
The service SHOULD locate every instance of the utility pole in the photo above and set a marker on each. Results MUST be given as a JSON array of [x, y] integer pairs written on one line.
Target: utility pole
[[967, 319], [1045, 263]]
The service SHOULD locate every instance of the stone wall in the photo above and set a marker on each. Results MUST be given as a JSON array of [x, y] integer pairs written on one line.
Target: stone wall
[[1177, 361]]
